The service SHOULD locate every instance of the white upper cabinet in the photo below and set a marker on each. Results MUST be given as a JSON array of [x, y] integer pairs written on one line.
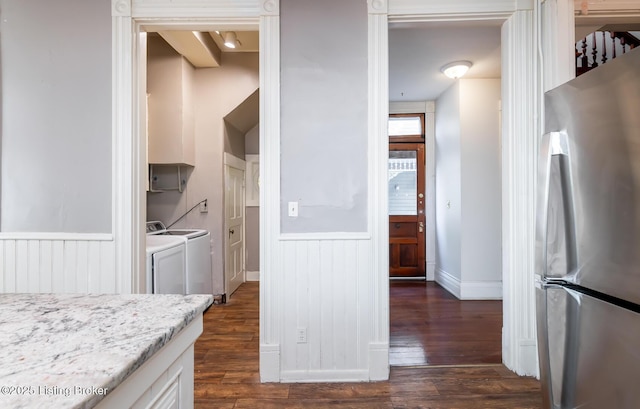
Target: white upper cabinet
[[170, 104]]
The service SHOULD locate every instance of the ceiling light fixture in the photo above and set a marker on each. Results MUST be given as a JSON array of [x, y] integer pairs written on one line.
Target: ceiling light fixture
[[456, 69], [230, 39]]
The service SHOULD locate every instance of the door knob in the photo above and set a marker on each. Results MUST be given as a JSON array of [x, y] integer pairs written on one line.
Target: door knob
[[231, 231], [420, 195]]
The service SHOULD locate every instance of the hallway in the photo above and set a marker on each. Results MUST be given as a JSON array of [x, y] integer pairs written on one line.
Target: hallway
[[429, 326], [227, 375]]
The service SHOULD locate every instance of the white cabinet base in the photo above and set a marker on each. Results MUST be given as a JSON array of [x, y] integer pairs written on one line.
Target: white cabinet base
[[165, 380]]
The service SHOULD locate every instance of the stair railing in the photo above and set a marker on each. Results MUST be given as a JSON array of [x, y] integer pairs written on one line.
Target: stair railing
[[600, 46]]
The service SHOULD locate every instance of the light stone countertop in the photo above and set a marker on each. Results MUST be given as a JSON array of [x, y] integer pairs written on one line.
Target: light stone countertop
[[54, 346]]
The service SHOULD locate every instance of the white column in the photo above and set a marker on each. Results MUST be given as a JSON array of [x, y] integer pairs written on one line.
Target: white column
[[378, 213], [520, 136], [557, 23], [271, 275], [126, 188]]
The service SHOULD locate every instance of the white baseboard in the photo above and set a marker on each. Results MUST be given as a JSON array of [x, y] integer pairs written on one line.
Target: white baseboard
[[528, 351], [448, 282], [481, 290], [378, 361], [431, 270], [269, 362], [469, 290], [325, 376], [378, 368], [252, 276]]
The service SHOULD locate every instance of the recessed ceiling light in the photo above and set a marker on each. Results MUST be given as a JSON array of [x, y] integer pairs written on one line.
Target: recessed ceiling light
[[456, 69], [230, 39]]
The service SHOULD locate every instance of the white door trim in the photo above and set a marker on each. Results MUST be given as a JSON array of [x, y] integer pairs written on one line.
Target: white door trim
[[520, 135], [129, 148], [428, 108]]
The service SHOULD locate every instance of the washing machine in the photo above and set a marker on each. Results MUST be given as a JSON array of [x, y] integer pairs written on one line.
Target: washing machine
[[166, 265], [199, 278]]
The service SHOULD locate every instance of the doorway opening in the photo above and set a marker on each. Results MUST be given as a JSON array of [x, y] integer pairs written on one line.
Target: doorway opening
[[214, 110], [455, 316]]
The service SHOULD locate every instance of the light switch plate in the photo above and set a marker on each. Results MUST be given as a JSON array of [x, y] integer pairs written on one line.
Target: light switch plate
[[293, 209]]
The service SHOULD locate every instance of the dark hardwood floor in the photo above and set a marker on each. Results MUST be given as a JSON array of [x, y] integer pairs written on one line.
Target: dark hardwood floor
[[226, 369], [429, 326]]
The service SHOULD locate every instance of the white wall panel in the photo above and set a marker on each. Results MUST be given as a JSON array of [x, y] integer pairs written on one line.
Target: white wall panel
[[325, 292], [60, 265]]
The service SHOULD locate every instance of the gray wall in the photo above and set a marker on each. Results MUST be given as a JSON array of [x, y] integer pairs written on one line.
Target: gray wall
[[56, 116], [252, 141], [252, 221], [468, 232], [324, 115], [233, 140]]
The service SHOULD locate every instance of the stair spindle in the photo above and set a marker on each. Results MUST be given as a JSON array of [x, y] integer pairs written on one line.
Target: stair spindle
[[613, 46], [604, 48], [585, 59], [594, 51]]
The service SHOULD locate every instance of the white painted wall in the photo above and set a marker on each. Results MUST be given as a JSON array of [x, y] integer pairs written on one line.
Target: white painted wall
[[252, 215], [480, 176], [56, 116], [468, 192], [217, 91], [448, 184]]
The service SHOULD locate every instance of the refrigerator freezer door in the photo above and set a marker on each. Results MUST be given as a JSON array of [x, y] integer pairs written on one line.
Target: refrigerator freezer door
[[599, 113], [589, 356]]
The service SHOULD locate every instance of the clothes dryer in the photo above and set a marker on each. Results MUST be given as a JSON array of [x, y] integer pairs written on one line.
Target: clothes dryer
[[166, 265], [199, 278]]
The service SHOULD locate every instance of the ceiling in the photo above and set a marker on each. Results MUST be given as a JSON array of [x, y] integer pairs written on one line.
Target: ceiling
[[417, 51], [206, 49], [416, 54]]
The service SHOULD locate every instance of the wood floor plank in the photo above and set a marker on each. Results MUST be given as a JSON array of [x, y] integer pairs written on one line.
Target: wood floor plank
[[313, 404], [227, 360]]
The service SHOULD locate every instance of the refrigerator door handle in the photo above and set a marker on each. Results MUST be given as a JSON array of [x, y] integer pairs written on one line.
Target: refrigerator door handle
[[558, 143], [560, 255]]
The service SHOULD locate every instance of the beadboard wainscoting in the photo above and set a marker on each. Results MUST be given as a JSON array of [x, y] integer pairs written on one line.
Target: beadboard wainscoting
[[58, 263], [327, 289]]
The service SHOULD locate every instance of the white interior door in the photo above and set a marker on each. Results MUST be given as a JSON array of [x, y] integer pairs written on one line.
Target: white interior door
[[234, 262]]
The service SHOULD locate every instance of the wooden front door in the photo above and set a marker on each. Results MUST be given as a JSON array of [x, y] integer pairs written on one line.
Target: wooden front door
[[406, 210]]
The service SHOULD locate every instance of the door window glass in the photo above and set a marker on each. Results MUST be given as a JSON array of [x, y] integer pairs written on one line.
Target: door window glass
[[402, 176], [405, 125]]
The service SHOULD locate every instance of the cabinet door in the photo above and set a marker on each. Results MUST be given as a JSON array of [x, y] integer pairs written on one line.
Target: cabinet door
[[170, 105], [170, 398]]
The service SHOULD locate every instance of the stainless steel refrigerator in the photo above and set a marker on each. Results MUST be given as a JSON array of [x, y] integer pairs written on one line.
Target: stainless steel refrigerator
[[588, 240]]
